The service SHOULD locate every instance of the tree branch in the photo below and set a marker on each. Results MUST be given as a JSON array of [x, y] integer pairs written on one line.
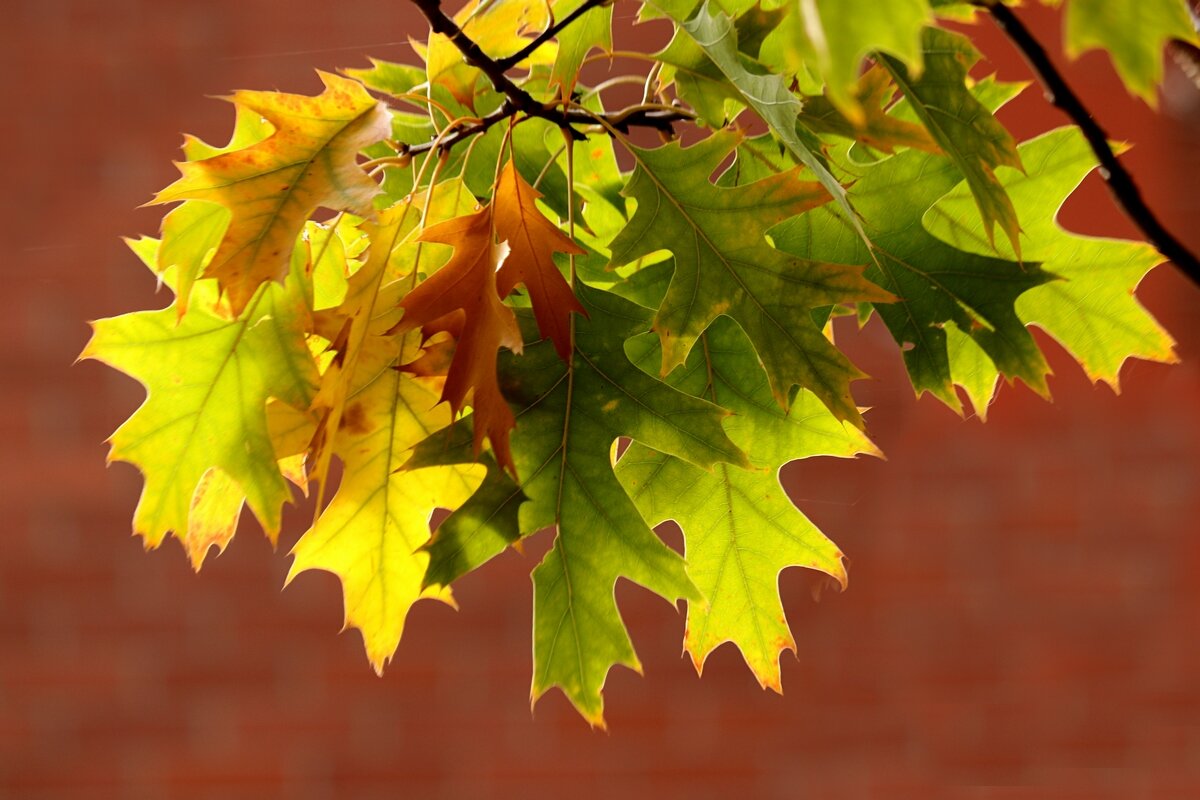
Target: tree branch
[[640, 116], [1120, 183], [519, 101], [525, 52], [473, 54]]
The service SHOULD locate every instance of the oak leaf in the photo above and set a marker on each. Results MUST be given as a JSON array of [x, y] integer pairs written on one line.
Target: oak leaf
[[466, 286], [1092, 311], [724, 265], [963, 127], [371, 533], [370, 412], [740, 529], [571, 417], [272, 186], [873, 127], [1133, 32], [532, 241], [208, 380], [936, 284]]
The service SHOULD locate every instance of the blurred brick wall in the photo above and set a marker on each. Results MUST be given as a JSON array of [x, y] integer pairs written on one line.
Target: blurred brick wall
[[1022, 613]]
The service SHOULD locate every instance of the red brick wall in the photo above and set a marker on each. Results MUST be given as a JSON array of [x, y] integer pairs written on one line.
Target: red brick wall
[[1024, 595]]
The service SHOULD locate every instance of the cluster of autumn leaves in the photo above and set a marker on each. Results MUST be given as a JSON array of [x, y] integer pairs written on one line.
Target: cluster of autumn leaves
[[477, 329]]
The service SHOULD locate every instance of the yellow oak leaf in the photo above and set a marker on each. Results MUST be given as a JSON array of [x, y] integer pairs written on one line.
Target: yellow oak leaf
[[370, 295], [272, 186], [371, 533]]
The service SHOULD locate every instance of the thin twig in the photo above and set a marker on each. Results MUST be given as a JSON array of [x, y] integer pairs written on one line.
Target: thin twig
[[525, 52], [519, 101], [1120, 183]]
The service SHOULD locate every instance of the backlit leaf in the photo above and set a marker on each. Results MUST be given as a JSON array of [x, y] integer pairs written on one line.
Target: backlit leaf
[[740, 529], [570, 417], [271, 187], [724, 265], [1092, 311], [965, 130]]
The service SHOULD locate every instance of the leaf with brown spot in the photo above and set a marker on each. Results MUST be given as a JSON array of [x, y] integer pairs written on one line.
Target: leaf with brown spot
[[371, 533], [272, 186], [370, 413], [391, 267]]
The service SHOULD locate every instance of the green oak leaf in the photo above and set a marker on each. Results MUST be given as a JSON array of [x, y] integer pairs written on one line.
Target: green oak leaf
[[875, 127], [208, 379], [568, 421], [1092, 312], [961, 125], [1133, 32], [389, 77], [698, 81], [937, 283], [592, 29], [740, 529], [724, 265], [478, 530], [767, 94], [834, 36]]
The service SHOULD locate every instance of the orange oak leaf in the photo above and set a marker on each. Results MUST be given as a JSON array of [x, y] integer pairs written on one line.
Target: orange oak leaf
[[274, 185], [532, 241], [466, 286]]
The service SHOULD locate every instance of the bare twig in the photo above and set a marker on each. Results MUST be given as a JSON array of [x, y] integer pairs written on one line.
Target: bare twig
[[525, 52], [519, 101], [1120, 183]]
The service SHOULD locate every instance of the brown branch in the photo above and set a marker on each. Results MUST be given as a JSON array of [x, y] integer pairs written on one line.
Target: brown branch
[[1120, 183]]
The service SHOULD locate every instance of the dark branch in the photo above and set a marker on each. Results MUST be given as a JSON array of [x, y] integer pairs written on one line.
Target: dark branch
[[633, 117], [1120, 183], [525, 52], [473, 54], [519, 101]]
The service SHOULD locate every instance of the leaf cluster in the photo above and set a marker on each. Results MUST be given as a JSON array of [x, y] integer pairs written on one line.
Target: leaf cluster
[[465, 283]]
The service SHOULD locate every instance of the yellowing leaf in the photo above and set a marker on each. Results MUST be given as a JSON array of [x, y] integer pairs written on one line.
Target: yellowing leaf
[[371, 533], [208, 380], [370, 413], [499, 27], [273, 186], [532, 240]]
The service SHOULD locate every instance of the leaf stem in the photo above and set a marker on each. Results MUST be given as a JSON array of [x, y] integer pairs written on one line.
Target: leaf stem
[[1120, 183]]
